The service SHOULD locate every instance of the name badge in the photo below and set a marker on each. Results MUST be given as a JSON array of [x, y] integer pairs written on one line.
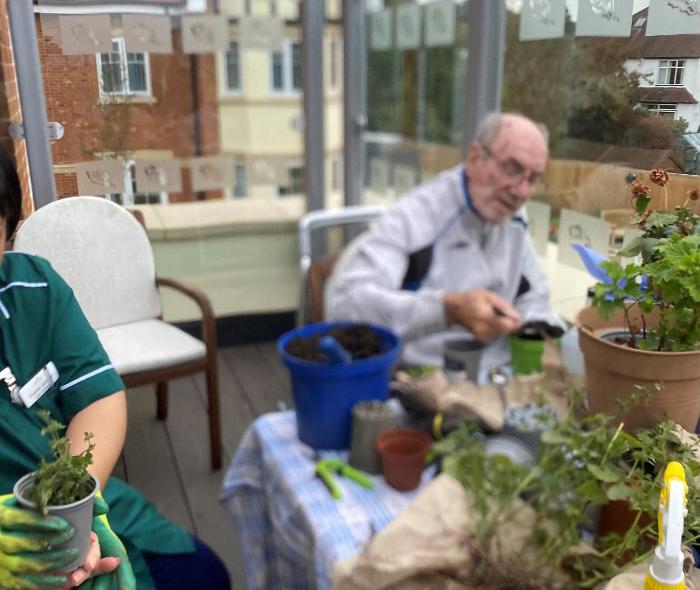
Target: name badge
[[38, 385]]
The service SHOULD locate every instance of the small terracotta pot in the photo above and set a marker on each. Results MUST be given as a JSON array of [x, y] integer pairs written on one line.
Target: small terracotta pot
[[403, 452]]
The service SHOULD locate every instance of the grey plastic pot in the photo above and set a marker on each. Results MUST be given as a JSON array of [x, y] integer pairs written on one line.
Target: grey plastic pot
[[369, 419], [78, 515]]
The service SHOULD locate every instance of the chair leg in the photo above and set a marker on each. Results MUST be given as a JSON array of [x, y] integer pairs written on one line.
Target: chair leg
[[214, 416], [162, 400]]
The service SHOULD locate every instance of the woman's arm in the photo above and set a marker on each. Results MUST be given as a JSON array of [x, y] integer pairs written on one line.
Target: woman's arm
[[106, 420]]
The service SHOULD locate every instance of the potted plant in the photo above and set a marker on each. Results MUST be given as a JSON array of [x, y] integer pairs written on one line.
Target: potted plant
[[531, 521], [642, 333], [63, 487]]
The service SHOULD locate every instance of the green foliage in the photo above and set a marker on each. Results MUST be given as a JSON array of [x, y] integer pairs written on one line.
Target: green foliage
[[582, 465], [65, 479], [669, 257]]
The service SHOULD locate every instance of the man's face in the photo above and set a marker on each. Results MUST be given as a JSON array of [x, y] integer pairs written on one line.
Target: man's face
[[502, 175]]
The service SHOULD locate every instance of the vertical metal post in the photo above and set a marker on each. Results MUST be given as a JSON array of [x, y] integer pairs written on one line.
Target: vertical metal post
[[313, 15], [487, 20], [32, 102], [313, 18], [354, 94]]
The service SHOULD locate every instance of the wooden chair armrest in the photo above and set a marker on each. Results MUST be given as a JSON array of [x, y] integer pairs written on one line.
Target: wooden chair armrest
[[202, 301]]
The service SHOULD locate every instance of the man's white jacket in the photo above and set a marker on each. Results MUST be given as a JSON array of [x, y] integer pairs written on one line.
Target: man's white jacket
[[467, 253]]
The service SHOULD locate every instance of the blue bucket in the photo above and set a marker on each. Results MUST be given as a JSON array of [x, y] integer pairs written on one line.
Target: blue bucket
[[325, 393]]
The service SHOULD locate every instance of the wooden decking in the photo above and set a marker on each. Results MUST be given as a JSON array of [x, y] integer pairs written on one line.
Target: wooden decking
[[169, 461]]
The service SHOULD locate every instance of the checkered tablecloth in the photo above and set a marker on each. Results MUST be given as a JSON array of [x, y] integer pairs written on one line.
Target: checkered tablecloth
[[291, 529]]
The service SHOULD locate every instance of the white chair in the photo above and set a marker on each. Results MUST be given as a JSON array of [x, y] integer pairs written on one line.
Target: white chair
[[104, 254], [313, 273]]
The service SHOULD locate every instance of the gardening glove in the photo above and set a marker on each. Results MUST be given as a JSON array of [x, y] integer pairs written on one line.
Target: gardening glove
[[110, 546], [26, 538]]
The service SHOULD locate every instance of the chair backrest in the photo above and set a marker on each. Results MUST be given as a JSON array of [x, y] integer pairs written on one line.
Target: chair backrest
[[313, 274], [102, 252]]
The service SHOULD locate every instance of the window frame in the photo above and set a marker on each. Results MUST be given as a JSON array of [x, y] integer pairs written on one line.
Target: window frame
[[670, 68], [287, 65], [656, 108], [228, 90], [286, 191], [124, 65]]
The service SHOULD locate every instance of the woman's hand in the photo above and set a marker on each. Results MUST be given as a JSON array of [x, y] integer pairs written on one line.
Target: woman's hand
[[94, 565]]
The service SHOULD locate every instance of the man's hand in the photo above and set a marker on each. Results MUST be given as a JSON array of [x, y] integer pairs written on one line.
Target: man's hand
[[484, 313], [25, 541]]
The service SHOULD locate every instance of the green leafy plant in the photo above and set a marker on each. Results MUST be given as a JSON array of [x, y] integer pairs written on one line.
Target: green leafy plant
[[665, 277], [582, 466], [65, 479]]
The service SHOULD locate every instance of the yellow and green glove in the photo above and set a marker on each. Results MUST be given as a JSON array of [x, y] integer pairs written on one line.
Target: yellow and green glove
[[26, 538], [110, 546]]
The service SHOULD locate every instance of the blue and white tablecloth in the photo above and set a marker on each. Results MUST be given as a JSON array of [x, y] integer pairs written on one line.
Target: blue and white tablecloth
[[291, 529]]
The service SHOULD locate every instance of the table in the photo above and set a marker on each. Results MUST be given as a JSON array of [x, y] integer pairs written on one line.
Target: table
[[291, 530]]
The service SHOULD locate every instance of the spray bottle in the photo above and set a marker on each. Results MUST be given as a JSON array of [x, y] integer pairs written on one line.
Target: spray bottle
[[666, 569]]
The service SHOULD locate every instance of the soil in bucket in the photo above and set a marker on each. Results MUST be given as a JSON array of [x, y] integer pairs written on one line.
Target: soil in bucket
[[360, 341], [403, 452]]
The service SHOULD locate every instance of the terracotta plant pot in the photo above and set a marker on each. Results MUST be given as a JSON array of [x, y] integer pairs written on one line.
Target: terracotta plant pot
[[403, 452], [78, 515], [613, 371]]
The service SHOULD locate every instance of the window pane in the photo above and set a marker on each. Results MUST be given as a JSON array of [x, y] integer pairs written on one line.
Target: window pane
[[112, 77], [233, 80], [296, 66], [137, 77], [277, 83], [239, 188]]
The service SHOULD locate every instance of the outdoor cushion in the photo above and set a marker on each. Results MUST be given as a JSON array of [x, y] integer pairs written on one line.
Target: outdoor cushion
[[149, 344]]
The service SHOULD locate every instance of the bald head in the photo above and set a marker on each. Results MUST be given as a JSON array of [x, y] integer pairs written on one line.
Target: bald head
[[505, 160]]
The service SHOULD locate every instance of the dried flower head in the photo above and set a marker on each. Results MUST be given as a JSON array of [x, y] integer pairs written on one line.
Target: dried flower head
[[658, 176], [694, 194], [638, 189]]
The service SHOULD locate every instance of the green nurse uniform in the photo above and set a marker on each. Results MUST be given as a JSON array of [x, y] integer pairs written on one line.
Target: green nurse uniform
[[41, 321]]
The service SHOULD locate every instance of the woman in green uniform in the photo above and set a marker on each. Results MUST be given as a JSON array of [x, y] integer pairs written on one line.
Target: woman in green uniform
[[41, 323]]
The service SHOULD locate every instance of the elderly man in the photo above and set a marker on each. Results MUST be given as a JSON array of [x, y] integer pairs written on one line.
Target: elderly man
[[453, 256]]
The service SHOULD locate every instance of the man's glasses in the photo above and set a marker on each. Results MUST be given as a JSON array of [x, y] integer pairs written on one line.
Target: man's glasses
[[513, 170]]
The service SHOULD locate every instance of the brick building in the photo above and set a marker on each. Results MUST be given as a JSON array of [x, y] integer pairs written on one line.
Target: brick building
[[164, 107]]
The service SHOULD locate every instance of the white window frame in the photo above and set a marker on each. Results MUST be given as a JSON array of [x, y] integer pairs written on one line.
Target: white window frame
[[669, 68], [125, 71], [228, 90], [236, 167], [661, 109], [287, 70], [128, 194]]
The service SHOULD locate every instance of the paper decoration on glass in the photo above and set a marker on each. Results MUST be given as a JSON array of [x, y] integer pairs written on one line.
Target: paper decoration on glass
[[380, 29], [538, 214], [158, 176], [100, 177], [85, 34], [212, 173], [440, 20], [673, 17], [379, 174], [267, 170], [604, 18], [145, 33], [579, 228], [542, 19], [408, 26], [262, 32], [204, 34]]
